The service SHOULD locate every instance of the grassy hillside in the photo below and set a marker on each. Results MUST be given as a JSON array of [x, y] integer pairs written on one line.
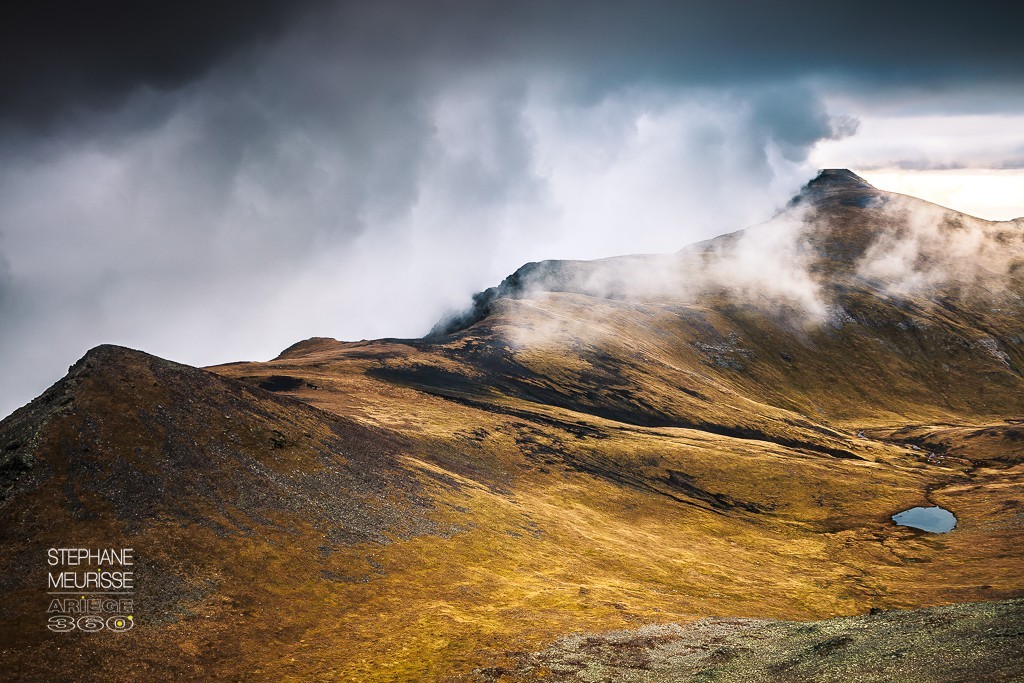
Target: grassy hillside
[[592, 446]]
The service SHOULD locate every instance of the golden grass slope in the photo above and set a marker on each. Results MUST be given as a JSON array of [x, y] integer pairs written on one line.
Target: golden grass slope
[[404, 510]]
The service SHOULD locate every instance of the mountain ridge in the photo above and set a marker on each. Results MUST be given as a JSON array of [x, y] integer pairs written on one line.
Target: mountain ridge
[[822, 207]]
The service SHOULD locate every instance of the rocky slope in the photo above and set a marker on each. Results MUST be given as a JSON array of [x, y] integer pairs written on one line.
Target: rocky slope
[[952, 643]]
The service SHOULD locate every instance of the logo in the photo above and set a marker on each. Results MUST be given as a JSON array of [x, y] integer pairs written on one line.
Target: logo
[[90, 589]]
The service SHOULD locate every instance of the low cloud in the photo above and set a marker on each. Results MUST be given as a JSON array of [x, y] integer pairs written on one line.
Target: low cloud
[[934, 250], [769, 266]]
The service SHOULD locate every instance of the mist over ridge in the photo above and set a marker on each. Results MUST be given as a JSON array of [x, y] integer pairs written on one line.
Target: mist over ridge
[[838, 232]]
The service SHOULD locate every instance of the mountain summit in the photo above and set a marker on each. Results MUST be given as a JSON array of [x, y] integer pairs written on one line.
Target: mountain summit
[[838, 232], [837, 186], [839, 179]]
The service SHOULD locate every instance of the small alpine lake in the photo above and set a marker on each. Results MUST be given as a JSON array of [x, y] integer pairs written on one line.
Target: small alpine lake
[[934, 519]]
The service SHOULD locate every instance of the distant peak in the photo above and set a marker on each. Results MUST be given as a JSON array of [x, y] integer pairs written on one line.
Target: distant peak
[[307, 345], [839, 178], [837, 186], [107, 354]]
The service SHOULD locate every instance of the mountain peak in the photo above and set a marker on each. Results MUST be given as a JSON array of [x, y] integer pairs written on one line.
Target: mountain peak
[[837, 186], [839, 179]]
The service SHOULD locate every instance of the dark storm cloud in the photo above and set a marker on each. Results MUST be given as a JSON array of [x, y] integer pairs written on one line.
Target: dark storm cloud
[[56, 56], [60, 54], [795, 119]]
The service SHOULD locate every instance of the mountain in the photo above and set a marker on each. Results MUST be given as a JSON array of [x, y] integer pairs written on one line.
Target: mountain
[[592, 446]]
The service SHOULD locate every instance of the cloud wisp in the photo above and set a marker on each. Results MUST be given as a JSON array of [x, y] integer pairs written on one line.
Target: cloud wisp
[[934, 250]]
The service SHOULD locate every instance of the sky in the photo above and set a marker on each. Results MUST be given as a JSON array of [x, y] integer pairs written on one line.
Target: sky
[[214, 181]]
